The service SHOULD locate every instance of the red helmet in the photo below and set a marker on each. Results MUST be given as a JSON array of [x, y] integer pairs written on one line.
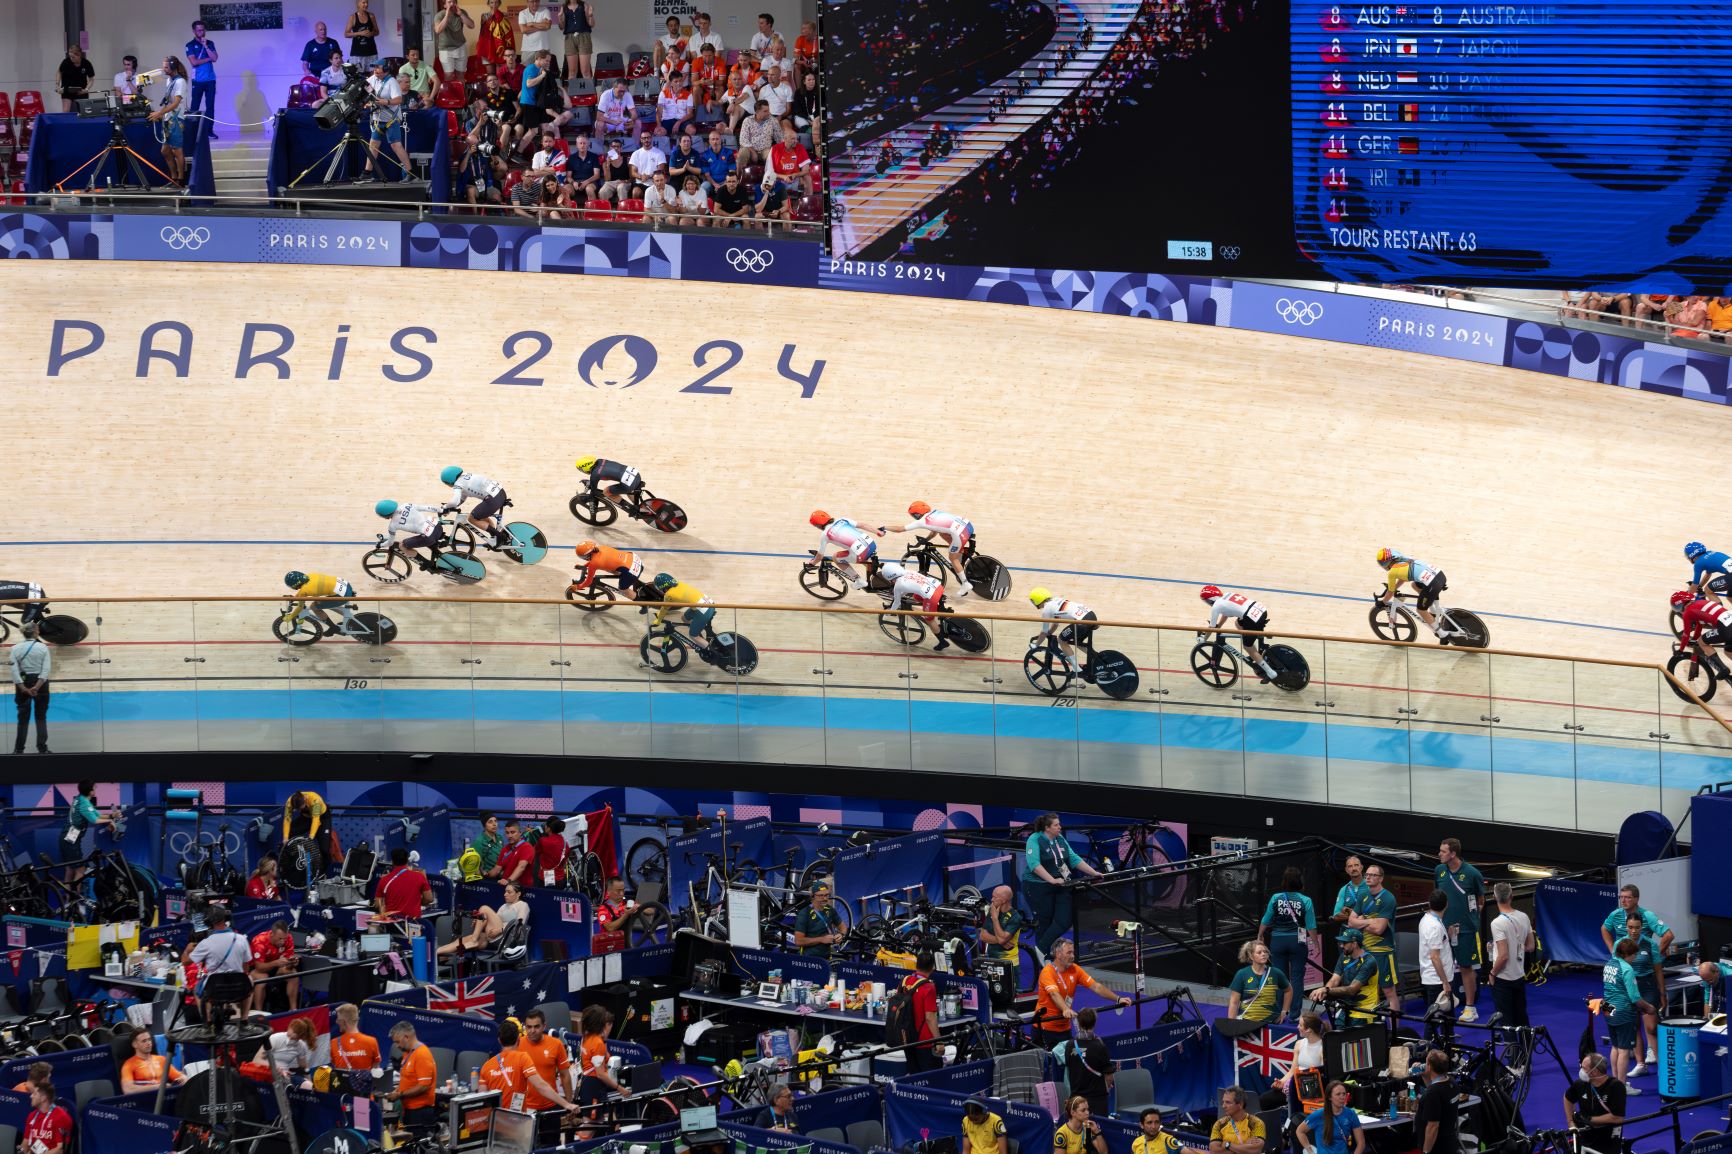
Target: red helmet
[[1210, 592], [1681, 598], [919, 509], [819, 518]]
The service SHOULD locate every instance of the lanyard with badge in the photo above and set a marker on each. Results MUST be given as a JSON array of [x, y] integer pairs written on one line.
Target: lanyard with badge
[[1472, 903]]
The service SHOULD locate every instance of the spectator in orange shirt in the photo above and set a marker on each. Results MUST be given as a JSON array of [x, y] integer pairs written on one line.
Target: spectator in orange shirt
[[351, 1049], [709, 74], [146, 1068], [415, 1086], [1720, 318], [263, 883], [403, 892], [273, 955], [512, 1072], [552, 1065], [806, 51], [1055, 991]]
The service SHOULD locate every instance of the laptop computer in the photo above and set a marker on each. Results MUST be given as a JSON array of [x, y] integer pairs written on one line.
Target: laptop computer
[[698, 1126], [646, 1076], [512, 1132]]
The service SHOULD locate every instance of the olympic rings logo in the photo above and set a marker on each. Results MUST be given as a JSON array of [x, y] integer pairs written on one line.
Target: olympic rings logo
[[1229, 252], [184, 237], [752, 260], [1298, 312]]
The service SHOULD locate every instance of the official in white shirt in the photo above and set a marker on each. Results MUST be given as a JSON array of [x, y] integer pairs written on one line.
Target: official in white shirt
[[1436, 958], [1512, 940]]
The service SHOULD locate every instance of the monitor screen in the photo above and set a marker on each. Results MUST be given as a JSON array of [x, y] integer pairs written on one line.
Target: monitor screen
[[1355, 1051], [697, 1118], [512, 1133], [375, 943]]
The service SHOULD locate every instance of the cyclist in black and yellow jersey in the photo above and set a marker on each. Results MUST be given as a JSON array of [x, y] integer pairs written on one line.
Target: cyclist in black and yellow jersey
[[319, 592], [1428, 581], [1375, 920]]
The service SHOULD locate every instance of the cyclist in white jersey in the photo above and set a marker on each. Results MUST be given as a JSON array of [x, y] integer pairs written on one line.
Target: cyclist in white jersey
[[958, 533], [1072, 619], [420, 522], [488, 494], [843, 541], [1251, 616], [928, 591]]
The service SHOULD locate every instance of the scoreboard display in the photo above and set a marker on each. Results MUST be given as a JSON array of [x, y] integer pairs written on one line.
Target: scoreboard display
[[1568, 145]]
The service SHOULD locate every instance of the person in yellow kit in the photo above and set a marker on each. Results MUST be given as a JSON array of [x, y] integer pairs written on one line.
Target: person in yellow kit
[[319, 592], [674, 593]]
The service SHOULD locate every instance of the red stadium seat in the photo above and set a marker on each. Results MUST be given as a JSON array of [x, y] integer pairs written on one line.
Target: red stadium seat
[[631, 208], [809, 208], [595, 208], [512, 180], [476, 70], [26, 129], [609, 65], [304, 94], [19, 195], [29, 104], [450, 94], [5, 107]]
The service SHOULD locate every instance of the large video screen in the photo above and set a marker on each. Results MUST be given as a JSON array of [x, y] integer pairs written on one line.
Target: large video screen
[[1568, 145]]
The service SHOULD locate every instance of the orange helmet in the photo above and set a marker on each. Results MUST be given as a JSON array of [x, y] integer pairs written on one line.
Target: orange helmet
[[584, 548], [919, 509], [819, 518]]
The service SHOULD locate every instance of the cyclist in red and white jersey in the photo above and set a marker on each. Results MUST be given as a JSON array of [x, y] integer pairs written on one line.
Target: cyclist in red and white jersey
[[1250, 615], [958, 534], [1707, 623], [927, 591], [844, 541]]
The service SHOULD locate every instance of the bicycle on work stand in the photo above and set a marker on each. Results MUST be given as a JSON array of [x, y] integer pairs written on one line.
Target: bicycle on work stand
[[592, 507], [987, 576], [1216, 661], [1395, 620]]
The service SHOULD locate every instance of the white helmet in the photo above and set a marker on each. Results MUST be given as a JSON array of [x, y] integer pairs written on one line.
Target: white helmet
[[891, 570]]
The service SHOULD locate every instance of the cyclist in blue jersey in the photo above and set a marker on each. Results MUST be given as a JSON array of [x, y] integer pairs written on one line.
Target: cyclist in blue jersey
[[1706, 565], [1623, 1003]]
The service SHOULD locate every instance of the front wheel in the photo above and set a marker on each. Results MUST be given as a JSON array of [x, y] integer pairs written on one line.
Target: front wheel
[[1214, 664], [1698, 676], [594, 509], [651, 925], [902, 628], [662, 651], [592, 598], [1047, 670], [301, 631], [1469, 631], [1391, 622], [387, 565], [463, 539], [823, 581], [647, 862]]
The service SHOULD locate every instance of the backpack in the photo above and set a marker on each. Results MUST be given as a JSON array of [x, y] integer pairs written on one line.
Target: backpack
[[901, 1027]]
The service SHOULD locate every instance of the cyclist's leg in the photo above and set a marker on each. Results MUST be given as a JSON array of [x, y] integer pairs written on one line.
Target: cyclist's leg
[[1428, 598]]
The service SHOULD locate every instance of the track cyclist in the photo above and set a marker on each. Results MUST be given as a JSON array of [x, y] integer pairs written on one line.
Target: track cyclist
[[1427, 581], [958, 533], [596, 560], [1252, 616], [674, 593], [1706, 565], [1076, 617], [928, 591], [25, 590], [1707, 623], [319, 592], [421, 523], [844, 541], [488, 494], [626, 479]]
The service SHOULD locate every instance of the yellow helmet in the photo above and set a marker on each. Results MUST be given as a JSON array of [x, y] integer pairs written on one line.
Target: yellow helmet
[[1039, 596], [1385, 557], [585, 464]]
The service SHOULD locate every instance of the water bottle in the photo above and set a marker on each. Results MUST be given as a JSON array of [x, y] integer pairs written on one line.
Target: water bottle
[[1392, 1110]]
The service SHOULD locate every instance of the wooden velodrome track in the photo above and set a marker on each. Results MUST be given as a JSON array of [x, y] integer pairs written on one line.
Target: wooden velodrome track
[[1118, 462]]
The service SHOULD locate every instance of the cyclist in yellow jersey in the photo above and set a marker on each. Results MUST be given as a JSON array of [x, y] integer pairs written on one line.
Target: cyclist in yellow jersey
[[318, 592], [1427, 580], [675, 593]]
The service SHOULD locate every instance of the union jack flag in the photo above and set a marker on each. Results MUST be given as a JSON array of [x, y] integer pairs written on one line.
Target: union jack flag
[[1269, 1055], [469, 995]]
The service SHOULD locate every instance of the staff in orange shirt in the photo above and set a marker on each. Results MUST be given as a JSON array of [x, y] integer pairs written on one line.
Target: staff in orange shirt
[[351, 1049], [512, 1072], [1720, 318], [595, 1081], [415, 1084], [552, 1063], [1055, 990], [146, 1069]]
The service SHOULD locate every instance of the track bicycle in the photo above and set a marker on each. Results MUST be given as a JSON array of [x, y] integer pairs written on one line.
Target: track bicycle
[[54, 628], [987, 576], [307, 627], [519, 540], [1396, 620], [1702, 673], [823, 578], [667, 647], [1052, 673], [592, 507], [646, 862], [392, 564], [909, 628], [601, 593], [1217, 663], [208, 865]]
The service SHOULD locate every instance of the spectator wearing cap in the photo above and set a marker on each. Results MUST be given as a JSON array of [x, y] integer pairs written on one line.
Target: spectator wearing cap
[[694, 203], [415, 79], [583, 171], [983, 1132], [674, 108], [32, 669], [647, 160], [791, 168], [220, 951], [716, 161], [1354, 983], [817, 928], [730, 202], [316, 53], [615, 112], [757, 136]]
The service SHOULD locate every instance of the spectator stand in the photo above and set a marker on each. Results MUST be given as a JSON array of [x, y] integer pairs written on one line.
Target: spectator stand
[[63, 143]]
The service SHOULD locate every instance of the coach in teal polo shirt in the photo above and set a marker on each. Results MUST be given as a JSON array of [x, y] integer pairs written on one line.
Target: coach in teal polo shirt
[[1630, 902]]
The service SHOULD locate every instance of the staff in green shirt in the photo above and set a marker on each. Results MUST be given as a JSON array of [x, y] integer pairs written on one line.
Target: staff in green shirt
[[487, 846], [1623, 1002], [1464, 887], [817, 927]]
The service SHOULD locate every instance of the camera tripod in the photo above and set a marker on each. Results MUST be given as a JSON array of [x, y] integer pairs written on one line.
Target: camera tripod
[[125, 154], [337, 157]]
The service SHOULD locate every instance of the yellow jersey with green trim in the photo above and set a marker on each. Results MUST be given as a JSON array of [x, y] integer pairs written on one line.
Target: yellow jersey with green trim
[[680, 594]]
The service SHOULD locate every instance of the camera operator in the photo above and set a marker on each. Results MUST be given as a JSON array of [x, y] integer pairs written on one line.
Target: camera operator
[[1000, 926], [172, 113], [479, 187], [387, 119], [1595, 1107]]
